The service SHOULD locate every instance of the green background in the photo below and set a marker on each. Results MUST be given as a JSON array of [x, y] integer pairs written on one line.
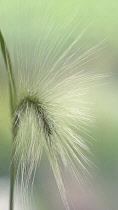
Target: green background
[[19, 21]]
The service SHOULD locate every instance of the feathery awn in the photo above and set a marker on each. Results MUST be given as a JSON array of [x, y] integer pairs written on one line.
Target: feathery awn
[[48, 109]]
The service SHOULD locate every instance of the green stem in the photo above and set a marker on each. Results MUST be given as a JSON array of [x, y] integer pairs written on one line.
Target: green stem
[[12, 178], [12, 95], [12, 171]]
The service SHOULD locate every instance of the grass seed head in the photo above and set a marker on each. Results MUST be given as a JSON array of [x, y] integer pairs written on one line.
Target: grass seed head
[[51, 112]]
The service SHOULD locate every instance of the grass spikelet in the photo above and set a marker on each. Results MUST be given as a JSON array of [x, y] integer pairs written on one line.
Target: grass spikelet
[[50, 110]]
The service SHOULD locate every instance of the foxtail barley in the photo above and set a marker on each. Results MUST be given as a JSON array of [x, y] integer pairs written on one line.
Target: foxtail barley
[[48, 109]]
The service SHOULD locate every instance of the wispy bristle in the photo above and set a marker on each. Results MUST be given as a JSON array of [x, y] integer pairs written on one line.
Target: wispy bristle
[[51, 111]]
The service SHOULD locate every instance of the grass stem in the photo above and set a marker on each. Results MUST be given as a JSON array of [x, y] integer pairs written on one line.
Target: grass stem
[[12, 95]]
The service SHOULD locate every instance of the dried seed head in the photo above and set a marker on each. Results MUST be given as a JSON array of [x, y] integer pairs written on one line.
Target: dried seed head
[[51, 112]]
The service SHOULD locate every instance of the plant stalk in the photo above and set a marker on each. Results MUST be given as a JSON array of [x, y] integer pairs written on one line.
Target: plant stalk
[[12, 96], [12, 170], [12, 181]]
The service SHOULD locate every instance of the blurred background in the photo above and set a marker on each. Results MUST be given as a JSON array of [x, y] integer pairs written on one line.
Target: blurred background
[[20, 22]]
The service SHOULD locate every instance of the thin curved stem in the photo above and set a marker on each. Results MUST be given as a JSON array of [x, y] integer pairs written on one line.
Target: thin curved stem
[[12, 95]]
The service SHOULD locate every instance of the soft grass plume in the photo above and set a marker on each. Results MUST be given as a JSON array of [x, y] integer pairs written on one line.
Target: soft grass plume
[[51, 112]]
